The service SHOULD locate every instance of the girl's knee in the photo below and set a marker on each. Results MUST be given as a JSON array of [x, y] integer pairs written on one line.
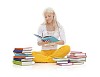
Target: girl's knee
[[66, 47], [34, 53]]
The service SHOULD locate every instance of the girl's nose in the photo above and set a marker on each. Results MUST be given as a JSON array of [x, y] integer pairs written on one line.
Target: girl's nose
[[47, 18]]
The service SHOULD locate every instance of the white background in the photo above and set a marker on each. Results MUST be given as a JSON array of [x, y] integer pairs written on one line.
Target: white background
[[20, 19]]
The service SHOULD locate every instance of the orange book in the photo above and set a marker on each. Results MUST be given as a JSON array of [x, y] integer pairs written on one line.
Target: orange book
[[18, 48], [23, 57]]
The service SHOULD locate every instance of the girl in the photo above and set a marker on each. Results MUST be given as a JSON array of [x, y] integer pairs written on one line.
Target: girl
[[51, 28]]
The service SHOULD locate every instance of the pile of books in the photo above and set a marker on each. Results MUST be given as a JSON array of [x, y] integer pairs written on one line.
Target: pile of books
[[23, 56], [74, 58]]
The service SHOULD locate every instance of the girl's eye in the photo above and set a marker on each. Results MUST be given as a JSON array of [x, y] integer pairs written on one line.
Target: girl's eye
[[45, 17]]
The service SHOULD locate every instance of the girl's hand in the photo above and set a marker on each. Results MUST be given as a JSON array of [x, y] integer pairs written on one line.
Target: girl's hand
[[46, 42], [50, 44]]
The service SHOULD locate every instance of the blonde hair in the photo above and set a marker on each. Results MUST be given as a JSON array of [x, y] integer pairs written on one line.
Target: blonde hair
[[55, 23]]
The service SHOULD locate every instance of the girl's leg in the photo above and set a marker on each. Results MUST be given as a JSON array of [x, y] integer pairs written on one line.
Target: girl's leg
[[43, 56], [39, 57], [47, 52], [61, 52]]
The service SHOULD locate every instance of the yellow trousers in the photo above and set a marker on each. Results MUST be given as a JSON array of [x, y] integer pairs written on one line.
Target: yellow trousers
[[48, 55]]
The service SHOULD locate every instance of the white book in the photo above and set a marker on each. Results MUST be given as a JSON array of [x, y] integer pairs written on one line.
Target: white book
[[26, 60], [27, 63], [82, 54], [78, 59], [78, 63], [24, 51], [62, 62], [73, 61], [27, 49], [67, 64], [30, 53], [29, 57]]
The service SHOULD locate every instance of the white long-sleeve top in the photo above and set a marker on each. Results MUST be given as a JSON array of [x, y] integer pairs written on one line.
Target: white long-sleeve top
[[59, 34]]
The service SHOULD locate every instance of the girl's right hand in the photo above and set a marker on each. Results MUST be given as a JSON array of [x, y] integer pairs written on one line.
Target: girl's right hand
[[46, 42]]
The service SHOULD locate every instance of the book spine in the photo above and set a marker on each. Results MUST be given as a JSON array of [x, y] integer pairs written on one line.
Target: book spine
[[78, 54], [22, 57], [75, 52], [17, 62], [76, 57], [19, 59], [17, 51], [27, 63], [67, 64], [62, 62]]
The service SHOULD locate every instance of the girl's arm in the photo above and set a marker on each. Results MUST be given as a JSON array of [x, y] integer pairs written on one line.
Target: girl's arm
[[40, 43], [61, 42]]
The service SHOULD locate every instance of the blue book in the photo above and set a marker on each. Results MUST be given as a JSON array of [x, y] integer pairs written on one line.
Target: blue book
[[16, 54], [21, 51], [50, 38], [18, 51]]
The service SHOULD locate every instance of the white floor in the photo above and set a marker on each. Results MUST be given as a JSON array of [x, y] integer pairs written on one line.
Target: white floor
[[89, 68]]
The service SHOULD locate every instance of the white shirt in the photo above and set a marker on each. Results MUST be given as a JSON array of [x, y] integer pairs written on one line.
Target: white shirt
[[59, 34]]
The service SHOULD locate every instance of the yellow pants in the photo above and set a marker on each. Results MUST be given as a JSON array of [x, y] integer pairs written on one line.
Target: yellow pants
[[48, 55]]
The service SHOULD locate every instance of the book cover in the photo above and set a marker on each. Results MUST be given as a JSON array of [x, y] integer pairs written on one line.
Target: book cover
[[23, 57], [59, 62], [76, 57], [78, 54], [21, 51], [21, 54], [26, 48], [20, 59], [77, 63], [65, 64], [23, 63]]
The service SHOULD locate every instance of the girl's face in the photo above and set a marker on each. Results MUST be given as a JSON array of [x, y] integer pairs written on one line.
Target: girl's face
[[49, 17]]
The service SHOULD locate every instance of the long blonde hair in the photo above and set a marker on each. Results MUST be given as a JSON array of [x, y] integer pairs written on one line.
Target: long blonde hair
[[55, 22]]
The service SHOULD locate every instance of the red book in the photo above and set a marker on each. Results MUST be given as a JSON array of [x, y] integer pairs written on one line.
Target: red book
[[76, 57], [72, 52], [26, 48], [78, 54], [24, 57]]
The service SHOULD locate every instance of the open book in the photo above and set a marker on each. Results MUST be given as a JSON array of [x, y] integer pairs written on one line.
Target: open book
[[50, 38]]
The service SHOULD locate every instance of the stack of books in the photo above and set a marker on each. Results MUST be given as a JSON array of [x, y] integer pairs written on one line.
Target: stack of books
[[62, 61], [74, 58], [77, 57], [23, 56]]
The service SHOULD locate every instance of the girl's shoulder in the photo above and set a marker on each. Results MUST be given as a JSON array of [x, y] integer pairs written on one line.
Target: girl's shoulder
[[42, 26]]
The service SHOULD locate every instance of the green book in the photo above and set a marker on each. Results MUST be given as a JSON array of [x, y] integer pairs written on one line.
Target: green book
[[23, 63]]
